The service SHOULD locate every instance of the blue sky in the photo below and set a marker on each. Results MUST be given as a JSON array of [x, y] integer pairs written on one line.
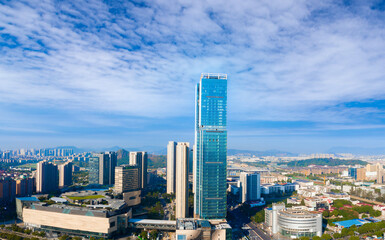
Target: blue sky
[[304, 76]]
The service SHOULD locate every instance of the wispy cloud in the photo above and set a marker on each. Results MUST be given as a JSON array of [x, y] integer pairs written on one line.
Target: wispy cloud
[[287, 60]]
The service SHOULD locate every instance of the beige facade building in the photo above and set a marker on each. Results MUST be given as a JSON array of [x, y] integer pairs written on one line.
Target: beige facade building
[[126, 178], [361, 174], [75, 220], [273, 178], [132, 198], [181, 193], [171, 167]]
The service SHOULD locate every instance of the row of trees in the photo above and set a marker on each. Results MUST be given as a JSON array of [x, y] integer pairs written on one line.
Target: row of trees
[[12, 236], [323, 237], [16, 228]]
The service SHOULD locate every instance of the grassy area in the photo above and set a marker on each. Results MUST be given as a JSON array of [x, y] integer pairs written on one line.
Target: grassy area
[[28, 165], [86, 197]]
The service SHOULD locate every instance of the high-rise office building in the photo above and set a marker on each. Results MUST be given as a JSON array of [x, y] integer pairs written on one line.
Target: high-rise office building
[[7, 190], [47, 177], [211, 147], [181, 186], [171, 149], [140, 159], [250, 186], [126, 178], [93, 170], [65, 175], [102, 168]]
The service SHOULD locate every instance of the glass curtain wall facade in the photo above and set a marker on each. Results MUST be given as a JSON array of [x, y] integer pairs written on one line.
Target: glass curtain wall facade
[[211, 147], [93, 170]]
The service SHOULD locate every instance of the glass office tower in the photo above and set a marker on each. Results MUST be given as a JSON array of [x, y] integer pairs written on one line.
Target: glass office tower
[[211, 147]]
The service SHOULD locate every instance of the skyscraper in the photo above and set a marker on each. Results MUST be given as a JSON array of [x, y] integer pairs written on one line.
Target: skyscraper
[[47, 177], [181, 190], [140, 159], [65, 174], [171, 149], [211, 147], [250, 185], [102, 168], [93, 170]]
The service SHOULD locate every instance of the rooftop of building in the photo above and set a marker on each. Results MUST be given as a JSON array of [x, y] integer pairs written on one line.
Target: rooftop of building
[[214, 75], [127, 166], [348, 223], [152, 221], [299, 213], [28, 199], [58, 200], [302, 181], [79, 210], [193, 224]]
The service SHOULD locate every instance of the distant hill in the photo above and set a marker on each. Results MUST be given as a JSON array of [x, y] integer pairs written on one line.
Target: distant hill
[[276, 153], [322, 162]]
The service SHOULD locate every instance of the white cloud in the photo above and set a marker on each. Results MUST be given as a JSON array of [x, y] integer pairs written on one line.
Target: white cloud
[[287, 60]]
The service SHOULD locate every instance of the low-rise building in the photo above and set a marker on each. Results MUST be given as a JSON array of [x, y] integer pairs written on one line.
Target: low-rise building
[[188, 229], [304, 183], [22, 202], [75, 220], [293, 223]]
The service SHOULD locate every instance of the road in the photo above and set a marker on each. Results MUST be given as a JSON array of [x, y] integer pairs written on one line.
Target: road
[[241, 220], [258, 232]]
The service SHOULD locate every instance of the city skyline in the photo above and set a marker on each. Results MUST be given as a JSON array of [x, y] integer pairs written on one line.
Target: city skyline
[[305, 76]]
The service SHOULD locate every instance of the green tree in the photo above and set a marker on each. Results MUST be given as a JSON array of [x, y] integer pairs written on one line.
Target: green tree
[[354, 238], [143, 235], [316, 238], [259, 217], [337, 235], [64, 237], [326, 237], [153, 234]]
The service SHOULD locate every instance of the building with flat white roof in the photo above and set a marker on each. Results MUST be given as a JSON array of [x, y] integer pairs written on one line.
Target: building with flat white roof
[[293, 223]]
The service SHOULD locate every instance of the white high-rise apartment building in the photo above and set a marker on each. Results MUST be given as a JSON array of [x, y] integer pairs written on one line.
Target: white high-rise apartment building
[[65, 174], [181, 183], [251, 186], [171, 152]]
